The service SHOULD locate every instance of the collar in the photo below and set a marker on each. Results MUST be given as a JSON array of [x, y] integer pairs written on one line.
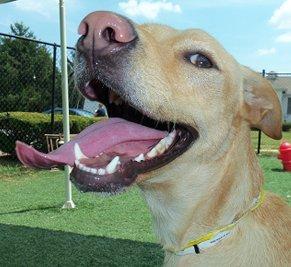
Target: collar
[[212, 238]]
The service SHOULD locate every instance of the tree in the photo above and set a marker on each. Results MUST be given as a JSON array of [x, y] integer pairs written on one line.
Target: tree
[[26, 73], [19, 29]]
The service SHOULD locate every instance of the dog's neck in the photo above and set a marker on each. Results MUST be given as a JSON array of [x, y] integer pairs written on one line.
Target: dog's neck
[[206, 195]]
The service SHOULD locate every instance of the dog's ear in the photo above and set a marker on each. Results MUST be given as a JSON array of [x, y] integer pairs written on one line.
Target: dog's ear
[[261, 107]]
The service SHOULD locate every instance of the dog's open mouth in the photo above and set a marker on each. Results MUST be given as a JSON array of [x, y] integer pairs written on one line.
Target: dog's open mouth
[[109, 155]]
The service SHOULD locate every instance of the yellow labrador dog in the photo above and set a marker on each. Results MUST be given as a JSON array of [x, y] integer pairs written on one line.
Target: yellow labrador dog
[[182, 109]]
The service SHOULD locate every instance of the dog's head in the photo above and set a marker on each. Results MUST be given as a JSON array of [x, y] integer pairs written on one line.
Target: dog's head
[[182, 83]]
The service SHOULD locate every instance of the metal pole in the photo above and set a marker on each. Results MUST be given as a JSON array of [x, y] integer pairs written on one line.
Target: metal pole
[[6, 1], [35, 41], [53, 88], [259, 142], [69, 204], [260, 132]]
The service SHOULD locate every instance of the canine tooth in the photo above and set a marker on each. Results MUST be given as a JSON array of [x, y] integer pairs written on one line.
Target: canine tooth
[[140, 158], [77, 163], [111, 167], [101, 171], [78, 152]]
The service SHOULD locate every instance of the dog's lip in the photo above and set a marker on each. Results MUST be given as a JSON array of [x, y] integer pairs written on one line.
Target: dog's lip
[[87, 89]]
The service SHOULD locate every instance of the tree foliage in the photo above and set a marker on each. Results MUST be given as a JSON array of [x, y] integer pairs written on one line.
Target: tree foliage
[[26, 73]]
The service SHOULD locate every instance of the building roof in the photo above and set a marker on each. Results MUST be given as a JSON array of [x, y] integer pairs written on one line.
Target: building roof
[[280, 82]]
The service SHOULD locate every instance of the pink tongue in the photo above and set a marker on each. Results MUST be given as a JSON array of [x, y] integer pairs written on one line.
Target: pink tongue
[[114, 136]]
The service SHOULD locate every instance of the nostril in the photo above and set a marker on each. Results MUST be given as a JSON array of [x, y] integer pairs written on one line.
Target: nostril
[[105, 32], [109, 35]]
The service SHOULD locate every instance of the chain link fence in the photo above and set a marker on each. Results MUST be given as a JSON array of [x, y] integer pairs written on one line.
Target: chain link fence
[[31, 72], [30, 86]]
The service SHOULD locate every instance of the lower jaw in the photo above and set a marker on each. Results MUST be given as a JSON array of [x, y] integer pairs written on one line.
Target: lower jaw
[[106, 188], [133, 172]]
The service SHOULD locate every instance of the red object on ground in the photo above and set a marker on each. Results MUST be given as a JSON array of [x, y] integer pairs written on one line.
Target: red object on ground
[[285, 155]]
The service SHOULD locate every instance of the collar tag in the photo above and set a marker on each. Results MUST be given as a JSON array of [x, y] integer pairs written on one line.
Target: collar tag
[[204, 245]]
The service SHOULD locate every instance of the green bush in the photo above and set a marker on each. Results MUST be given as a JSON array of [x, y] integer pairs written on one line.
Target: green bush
[[30, 128], [286, 126]]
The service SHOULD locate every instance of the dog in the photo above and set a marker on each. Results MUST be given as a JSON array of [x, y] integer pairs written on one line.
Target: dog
[[185, 107]]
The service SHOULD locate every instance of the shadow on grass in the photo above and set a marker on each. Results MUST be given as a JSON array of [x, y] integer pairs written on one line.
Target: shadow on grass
[[25, 246], [277, 170], [12, 167], [9, 161], [30, 210]]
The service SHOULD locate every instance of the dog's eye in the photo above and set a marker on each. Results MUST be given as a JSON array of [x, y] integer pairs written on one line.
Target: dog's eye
[[201, 61]]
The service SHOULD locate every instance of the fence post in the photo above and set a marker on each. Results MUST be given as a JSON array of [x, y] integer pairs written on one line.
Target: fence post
[[53, 87], [260, 132]]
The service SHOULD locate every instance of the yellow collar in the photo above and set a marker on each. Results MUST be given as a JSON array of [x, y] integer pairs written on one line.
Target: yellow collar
[[212, 238]]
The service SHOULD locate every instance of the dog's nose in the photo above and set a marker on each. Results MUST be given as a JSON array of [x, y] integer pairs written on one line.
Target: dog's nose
[[105, 32]]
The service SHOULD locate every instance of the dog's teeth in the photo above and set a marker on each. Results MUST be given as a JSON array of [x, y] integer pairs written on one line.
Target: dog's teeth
[[78, 152], [112, 166], [152, 153], [77, 163], [92, 170], [162, 145], [158, 149], [85, 168], [140, 158], [170, 138], [101, 171]]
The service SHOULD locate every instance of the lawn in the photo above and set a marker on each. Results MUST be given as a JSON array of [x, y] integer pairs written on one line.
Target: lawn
[[267, 143], [116, 231]]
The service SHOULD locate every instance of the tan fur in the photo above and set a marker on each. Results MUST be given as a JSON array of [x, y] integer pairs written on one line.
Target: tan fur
[[218, 177]]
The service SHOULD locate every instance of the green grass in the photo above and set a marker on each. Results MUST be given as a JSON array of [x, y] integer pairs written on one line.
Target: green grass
[[116, 231], [267, 143], [276, 180], [35, 231]]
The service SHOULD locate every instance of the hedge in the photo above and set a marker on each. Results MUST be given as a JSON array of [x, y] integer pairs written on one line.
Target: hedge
[[30, 127], [286, 127]]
